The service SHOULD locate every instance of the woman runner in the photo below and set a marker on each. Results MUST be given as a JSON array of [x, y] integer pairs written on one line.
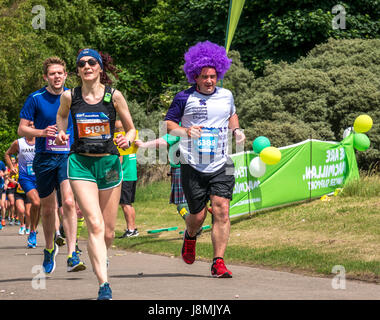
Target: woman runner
[[94, 168]]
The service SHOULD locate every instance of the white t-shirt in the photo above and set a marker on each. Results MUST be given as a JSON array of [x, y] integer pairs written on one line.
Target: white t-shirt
[[25, 157], [212, 112]]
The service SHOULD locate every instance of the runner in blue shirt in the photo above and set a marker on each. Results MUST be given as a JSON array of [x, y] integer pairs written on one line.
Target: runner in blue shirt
[[50, 162]]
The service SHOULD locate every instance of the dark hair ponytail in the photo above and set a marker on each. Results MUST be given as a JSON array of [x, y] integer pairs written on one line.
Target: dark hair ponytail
[[108, 66]]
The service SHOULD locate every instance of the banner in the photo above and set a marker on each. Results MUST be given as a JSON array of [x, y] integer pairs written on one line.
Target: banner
[[307, 170], [235, 9]]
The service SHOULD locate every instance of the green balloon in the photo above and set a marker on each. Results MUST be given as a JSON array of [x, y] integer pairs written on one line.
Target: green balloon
[[260, 143], [361, 142]]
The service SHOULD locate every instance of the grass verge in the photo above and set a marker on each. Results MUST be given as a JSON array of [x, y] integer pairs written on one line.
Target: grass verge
[[309, 238]]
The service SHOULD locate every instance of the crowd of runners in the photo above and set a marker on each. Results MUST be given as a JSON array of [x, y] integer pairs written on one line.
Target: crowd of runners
[[66, 169]]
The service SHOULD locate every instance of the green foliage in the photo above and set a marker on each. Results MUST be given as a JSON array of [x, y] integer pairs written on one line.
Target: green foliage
[[69, 27], [144, 43], [20, 51], [7, 133], [141, 120]]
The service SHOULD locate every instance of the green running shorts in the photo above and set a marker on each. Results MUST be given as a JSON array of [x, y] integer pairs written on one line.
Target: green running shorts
[[105, 171]]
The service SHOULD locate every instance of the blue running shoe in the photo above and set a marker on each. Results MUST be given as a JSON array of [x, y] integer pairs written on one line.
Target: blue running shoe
[[1, 227], [105, 292], [49, 260], [74, 263], [32, 239]]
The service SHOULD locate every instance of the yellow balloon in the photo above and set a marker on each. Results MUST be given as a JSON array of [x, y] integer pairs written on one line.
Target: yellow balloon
[[363, 123], [270, 155]]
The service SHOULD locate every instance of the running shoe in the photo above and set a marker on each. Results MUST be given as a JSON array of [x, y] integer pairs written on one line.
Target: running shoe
[[105, 292], [3, 223], [219, 270], [49, 259], [188, 249], [27, 231], [21, 231], [59, 240], [17, 222], [74, 264], [32, 239], [1, 227], [130, 233], [12, 222]]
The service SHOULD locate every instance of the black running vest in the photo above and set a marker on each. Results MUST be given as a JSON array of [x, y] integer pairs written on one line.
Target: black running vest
[[94, 124]]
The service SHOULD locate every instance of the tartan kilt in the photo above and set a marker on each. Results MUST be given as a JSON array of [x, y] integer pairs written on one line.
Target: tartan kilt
[[176, 195]]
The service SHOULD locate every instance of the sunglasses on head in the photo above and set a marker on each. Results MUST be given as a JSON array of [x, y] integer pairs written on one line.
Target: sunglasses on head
[[82, 63]]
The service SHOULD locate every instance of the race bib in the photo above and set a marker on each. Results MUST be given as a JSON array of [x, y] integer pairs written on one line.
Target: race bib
[[29, 168], [93, 125], [52, 146], [208, 141]]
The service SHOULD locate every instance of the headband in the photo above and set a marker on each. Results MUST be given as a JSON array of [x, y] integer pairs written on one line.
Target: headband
[[92, 53]]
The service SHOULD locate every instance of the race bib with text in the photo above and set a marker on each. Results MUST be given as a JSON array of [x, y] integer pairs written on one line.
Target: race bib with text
[[52, 146], [93, 125], [29, 168], [208, 141]]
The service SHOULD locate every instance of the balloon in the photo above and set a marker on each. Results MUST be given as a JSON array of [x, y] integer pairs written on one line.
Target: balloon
[[257, 168], [270, 155], [260, 143], [361, 142], [347, 132], [363, 123]]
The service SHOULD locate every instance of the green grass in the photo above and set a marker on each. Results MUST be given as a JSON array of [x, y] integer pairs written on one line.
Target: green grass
[[310, 238]]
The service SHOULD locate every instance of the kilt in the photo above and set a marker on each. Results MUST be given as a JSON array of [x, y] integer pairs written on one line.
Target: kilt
[[176, 195]]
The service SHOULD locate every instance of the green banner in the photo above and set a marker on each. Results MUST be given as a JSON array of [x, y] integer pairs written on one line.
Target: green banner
[[235, 9], [307, 170]]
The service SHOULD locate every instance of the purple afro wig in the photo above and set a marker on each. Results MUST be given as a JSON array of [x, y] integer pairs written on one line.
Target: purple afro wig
[[205, 54]]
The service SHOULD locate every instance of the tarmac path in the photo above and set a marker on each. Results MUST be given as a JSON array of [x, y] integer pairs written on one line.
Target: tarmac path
[[138, 276]]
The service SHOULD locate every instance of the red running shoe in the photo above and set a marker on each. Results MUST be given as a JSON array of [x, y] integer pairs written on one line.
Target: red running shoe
[[188, 250], [219, 270]]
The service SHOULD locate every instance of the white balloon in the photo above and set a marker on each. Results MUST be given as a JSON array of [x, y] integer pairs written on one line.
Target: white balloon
[[347, 132], [257, 167]]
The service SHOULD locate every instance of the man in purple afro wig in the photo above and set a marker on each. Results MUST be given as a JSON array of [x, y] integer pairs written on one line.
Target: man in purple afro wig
[[205, 54], [207, 115]]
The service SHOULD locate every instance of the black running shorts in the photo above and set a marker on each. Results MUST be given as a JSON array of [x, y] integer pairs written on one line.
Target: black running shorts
[[198, 186], [128, 191]]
